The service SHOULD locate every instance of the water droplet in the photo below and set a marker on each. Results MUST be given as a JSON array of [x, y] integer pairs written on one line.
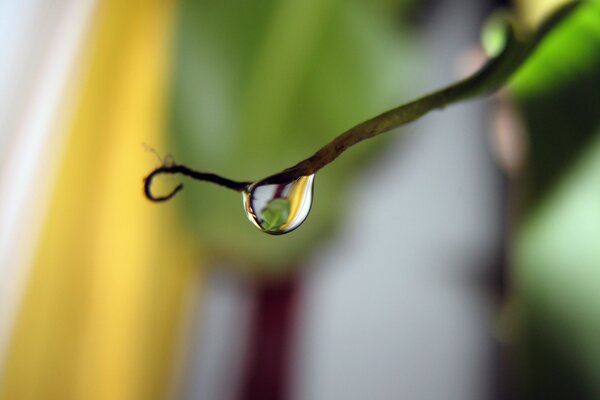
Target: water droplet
[[279, 208]]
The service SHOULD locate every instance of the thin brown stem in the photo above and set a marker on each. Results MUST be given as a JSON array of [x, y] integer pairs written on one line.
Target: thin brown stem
[[183, 170], [519, 45]]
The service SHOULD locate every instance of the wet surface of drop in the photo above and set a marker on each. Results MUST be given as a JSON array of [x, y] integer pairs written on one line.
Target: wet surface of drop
[[279, 208]]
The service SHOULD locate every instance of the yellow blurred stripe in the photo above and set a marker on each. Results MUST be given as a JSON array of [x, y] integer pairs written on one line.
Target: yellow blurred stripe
[[103, 307]]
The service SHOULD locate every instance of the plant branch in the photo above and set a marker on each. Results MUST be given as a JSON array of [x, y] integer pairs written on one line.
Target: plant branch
[[519, 45]]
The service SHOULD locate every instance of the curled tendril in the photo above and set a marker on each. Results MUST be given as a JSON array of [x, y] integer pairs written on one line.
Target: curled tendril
[[183, 170], [519, 44]]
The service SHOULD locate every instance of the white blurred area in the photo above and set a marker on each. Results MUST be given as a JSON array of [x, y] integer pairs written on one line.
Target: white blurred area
[[40, 43], [400, 305]]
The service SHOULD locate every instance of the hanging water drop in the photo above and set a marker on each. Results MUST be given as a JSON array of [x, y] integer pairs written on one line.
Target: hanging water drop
[[279, 208]]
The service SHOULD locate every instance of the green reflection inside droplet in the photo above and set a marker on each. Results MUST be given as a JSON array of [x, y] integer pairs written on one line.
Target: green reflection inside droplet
[[275, 214]]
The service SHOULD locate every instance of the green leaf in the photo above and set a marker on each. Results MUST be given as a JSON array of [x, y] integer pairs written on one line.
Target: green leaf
[[259, 84], [557, 243]]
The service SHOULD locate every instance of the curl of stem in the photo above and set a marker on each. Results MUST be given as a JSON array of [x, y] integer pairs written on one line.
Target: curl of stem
[[183, 170]]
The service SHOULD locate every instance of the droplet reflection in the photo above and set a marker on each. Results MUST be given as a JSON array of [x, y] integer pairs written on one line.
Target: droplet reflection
[[279, 208]]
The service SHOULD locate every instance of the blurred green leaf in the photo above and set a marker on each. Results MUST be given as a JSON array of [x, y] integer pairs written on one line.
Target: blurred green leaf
[[557, 245], [263, 107], [258, 85]]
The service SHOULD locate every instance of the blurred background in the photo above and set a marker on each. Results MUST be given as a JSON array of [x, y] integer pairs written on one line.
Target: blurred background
[[454, 258]]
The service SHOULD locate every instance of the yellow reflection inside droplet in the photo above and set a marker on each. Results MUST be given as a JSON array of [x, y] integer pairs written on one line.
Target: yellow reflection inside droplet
[[297, 198]]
